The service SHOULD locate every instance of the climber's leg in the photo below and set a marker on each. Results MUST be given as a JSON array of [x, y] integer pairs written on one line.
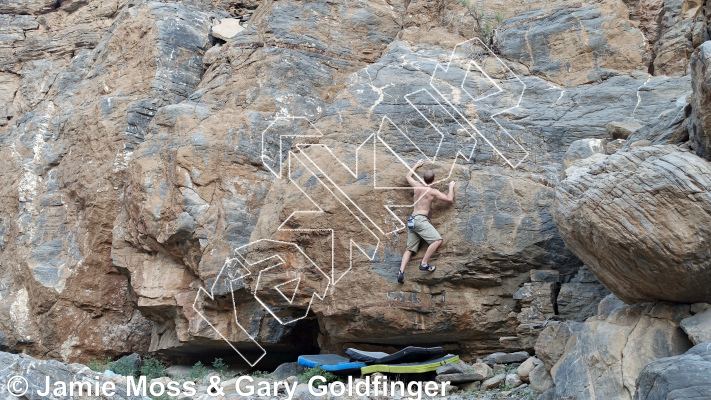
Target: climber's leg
[[430, 250], [429, 234], [405, 259], [413, 243]]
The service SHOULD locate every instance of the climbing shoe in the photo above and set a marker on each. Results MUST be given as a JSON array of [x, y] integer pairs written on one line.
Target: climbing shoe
[[430, 268], [401, 277]]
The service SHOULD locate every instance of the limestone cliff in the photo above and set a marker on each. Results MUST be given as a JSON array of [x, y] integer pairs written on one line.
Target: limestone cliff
[[144, 161]]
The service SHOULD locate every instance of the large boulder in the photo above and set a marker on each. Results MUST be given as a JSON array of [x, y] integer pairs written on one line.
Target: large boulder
[[605, 357], [680, 377], [640, 221]]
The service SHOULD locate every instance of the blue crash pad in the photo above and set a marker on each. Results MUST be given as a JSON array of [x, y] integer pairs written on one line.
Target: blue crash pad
[[331, 363]]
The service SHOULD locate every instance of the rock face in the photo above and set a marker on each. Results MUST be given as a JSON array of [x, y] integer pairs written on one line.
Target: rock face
[[680, 377], [606, 356], [638, 220], [36, 371], [541, 39], [145, 164], [59, 268], [40, 39], [675, 44], [578, 299], [698, 308], [550, 346], [700, 130], [546, 298], [537, 301], [671, 127]]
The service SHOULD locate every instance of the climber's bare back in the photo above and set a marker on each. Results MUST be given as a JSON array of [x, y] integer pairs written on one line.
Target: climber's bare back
[[424, 197]]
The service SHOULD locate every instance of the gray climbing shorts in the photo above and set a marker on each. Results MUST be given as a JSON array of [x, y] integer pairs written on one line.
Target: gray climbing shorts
[[423, 230]]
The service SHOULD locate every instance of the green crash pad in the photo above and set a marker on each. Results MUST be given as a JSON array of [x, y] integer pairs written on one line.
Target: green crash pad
[[414, 368]]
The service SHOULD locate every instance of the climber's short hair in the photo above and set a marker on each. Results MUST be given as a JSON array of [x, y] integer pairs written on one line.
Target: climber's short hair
[[428, 176]]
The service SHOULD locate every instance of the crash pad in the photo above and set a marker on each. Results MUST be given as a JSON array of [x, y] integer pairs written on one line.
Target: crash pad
[[411, 368], [410, 354], [331, 363]]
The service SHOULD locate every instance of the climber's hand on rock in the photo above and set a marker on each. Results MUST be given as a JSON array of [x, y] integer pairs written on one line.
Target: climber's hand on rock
[[451, 184], [419, 164]]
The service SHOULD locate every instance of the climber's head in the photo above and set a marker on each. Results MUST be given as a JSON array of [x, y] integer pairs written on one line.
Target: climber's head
[[428, 177]]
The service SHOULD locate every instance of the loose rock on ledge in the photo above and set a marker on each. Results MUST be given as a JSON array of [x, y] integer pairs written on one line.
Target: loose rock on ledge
[[507, 358], [698, 327], [227, 28]]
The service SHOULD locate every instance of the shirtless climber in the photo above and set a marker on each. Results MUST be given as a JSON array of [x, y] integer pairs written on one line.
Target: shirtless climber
[[419, 226]]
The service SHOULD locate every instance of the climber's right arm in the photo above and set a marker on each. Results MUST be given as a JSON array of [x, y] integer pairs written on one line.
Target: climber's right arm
[[410, 173]]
